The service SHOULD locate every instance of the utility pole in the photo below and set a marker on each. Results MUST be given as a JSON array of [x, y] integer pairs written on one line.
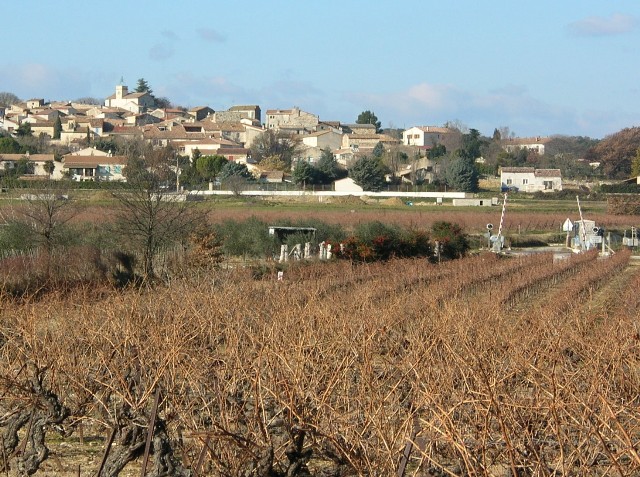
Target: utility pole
[[177, 173]]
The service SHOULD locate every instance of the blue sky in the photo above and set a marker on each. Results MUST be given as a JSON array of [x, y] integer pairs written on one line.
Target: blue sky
[[537, 67]]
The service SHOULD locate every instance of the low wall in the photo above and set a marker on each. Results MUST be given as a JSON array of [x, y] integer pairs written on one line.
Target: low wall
[[306, 193]]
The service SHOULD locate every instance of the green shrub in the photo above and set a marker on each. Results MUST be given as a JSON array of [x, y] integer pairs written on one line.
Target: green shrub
[[249, 238], [452, 241]]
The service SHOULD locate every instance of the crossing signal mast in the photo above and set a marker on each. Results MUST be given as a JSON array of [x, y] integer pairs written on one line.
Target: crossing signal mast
[[496, 242], [589, 236]]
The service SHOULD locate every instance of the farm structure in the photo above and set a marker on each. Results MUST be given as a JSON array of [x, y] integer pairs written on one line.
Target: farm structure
[[475, 202]]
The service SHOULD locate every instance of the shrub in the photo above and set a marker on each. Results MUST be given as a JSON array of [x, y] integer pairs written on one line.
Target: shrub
[[453, 243], [375, 241], [249, 238]]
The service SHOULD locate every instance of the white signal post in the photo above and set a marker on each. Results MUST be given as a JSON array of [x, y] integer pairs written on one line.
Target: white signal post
[[498, 240]]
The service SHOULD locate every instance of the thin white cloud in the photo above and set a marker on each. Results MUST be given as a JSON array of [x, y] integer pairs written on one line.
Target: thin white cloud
[[169, 35], [616, 24], [211, 35], [512, 105], [41, 80], [160, 52], [187, 89], [421, 97]]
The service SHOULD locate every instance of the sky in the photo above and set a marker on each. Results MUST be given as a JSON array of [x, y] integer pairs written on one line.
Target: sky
[[538, 68]]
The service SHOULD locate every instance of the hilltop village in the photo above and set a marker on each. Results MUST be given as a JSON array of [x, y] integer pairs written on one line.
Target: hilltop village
[[83, 141]]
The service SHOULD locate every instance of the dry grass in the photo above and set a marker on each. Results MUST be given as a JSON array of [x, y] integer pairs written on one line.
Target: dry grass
[[334, 369]]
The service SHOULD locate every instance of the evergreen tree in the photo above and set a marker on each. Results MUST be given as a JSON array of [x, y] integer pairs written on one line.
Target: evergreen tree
[[635, 164], [210, 166], [9, 145], [24, 130], [304, 174], [234, 169], [471, 144], [57, 128], [368, 173], [143, 87], [436, 151], [378, 150], [461, 174], [328, 167], [369, 117]]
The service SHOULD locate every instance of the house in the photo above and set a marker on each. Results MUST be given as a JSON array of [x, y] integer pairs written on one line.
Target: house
[[314, 143], [39, 162], [78, 128], [347, 185], [46, 115], [9, 123], [164, 133], [530, 179], [272, 177], [293, 120], [242, 132], [367, 141], [250, 111], [323, 139], [104, 113], [366, 129], [35, 103], [134, 102], [206, 147], [533, 144], [200, 112], [238, 113], [89, 151], [420, 171], [141, 119], [42, 127], [95, 168], [240, 155], [347, 156], [424, 137], [125, 132], [170, 113]]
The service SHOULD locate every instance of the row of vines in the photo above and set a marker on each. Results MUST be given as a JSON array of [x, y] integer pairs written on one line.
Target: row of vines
[[479, 366]]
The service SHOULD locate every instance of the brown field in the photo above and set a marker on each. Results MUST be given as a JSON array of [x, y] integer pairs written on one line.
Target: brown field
[[481, 366], [520, 217]]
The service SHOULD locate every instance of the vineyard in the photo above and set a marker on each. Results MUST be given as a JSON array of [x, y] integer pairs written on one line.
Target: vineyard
[[483, 366]]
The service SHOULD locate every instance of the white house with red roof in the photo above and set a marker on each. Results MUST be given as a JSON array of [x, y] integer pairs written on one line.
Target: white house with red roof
[[530, 179], [533, 144], [94, 167], [424, 136]]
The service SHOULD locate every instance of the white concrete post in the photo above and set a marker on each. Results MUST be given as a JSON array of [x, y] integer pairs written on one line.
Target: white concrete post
[[297, 251]]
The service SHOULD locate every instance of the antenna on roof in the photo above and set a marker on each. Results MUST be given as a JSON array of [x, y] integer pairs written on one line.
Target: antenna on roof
[[121, 79]]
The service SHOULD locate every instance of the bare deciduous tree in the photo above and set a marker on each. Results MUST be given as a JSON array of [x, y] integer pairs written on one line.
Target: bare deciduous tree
[[150, 218]]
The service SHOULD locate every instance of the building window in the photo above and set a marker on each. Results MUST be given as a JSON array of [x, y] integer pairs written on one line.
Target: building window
[[525, 181], [509, 181]]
